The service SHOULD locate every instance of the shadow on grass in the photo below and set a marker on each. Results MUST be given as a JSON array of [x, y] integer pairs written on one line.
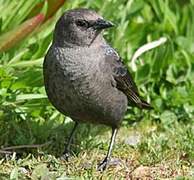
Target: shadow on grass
[[51, 133], [4, 176], [83, 139]]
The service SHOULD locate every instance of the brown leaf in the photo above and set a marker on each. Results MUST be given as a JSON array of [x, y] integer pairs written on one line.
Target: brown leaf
[[11, 38], [53, 6]]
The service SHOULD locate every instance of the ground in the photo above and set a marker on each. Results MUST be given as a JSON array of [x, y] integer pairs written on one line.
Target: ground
[[142, 151]]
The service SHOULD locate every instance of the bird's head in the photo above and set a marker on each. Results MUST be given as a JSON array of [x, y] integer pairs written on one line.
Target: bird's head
[[80, 27]]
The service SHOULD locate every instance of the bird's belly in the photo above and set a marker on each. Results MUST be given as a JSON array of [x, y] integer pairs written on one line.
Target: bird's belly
[[84, 97]]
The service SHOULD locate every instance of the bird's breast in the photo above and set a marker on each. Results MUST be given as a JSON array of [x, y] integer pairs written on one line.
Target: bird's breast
[[77, 85], [81, 71]]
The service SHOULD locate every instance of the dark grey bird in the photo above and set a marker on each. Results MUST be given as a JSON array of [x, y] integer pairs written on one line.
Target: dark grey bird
[[85, 77]]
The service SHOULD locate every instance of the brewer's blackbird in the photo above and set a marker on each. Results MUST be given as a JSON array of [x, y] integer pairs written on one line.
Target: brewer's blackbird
[[85, 77]]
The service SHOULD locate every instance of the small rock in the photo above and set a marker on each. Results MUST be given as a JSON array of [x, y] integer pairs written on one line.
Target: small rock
[[133, 139], [140, 172], [115, 162], [23, 170]]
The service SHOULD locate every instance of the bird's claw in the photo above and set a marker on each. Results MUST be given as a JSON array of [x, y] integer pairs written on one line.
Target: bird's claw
[[103, 165]]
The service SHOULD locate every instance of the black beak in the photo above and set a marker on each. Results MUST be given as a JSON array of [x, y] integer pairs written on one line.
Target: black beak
[[102, 24]]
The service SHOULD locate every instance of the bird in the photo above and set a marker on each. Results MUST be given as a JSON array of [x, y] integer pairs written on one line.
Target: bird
[[85, 78]]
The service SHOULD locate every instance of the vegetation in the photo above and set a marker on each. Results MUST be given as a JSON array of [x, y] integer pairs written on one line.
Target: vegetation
[[153, 145]]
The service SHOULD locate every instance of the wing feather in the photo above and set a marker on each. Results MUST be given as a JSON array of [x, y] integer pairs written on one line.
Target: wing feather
[[123, 78]]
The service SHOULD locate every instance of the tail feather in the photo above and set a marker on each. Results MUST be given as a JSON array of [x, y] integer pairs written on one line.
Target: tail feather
[[145, 105]]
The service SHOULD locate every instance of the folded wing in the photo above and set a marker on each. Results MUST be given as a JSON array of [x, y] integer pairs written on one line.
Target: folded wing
[[124, 79]]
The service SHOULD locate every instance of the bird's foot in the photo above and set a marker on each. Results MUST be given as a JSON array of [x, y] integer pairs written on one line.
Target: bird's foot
[[103, 165], [65, 156]]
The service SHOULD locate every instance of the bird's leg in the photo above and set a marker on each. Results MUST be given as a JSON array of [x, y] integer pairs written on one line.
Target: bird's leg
[[102, 166], [67, 147]]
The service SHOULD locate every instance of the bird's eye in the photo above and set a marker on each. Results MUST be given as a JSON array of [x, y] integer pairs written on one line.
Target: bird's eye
[[82, 23]]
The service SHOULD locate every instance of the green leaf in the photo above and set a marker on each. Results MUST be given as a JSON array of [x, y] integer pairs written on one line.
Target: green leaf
[[23, 97], [14, 174], [168, 118], [143, 73], [40, 172]]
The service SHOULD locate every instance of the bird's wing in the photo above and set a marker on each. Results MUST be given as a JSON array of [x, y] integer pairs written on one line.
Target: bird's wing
[[123, 78]]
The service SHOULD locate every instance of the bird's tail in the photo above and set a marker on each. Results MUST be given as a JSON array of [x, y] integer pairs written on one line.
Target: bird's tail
[[145, 105]]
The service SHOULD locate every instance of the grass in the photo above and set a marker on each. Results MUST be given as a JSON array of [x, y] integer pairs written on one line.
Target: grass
[[157, 144], [160, 154]]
